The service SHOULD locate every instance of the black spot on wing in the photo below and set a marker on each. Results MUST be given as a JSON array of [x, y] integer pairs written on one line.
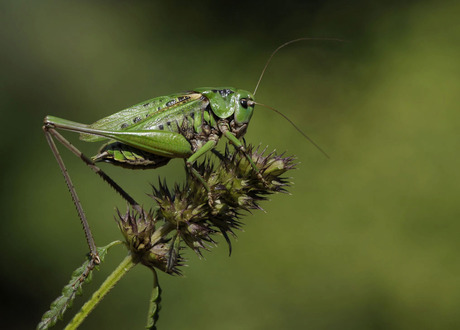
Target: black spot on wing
[[182, 98], [136, 120], [124, 125], [170, 103]]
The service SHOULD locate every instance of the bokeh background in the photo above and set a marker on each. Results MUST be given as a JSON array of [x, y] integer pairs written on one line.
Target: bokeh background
[[367, 240]]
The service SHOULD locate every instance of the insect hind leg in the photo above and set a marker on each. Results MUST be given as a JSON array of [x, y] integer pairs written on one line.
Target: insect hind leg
[[50, 133]]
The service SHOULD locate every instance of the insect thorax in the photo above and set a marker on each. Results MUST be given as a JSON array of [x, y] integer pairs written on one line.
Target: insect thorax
[[211, 128]]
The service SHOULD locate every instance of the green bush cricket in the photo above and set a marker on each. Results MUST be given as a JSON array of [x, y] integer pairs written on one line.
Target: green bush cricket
[[149, 134]]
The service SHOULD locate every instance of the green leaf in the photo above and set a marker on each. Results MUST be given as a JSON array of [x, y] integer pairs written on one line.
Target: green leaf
[[154, 306], [81, 275]]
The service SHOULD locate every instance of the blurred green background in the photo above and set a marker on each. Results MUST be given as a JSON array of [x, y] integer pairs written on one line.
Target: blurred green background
[[368, 239]]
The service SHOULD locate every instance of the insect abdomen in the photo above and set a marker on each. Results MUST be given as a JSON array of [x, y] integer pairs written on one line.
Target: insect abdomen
[[125, 156]]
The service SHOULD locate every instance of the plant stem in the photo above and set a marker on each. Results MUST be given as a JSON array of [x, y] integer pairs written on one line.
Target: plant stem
[[105, 287]]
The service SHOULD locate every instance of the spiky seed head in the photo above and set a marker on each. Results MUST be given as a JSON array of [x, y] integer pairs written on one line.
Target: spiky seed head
[[192, 215]]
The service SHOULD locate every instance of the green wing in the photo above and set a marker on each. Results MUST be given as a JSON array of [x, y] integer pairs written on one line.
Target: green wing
[[151, 114]]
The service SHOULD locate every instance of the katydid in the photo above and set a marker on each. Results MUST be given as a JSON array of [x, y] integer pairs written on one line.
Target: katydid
[[149, 134]]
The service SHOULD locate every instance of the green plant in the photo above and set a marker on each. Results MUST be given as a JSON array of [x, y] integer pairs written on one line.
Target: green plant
[[189, 215]]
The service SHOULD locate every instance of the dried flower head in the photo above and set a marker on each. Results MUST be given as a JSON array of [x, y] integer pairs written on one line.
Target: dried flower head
[[192, 215], [145, 243]]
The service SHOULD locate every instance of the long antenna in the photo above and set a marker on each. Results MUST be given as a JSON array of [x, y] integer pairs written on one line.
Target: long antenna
[[295, 126], [284, 45]]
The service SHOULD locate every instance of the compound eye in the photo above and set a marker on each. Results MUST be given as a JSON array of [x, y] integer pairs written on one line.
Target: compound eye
[[244, 103]]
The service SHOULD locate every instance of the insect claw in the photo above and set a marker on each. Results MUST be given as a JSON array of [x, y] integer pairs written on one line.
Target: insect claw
[[261, 178], [95, 258]]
